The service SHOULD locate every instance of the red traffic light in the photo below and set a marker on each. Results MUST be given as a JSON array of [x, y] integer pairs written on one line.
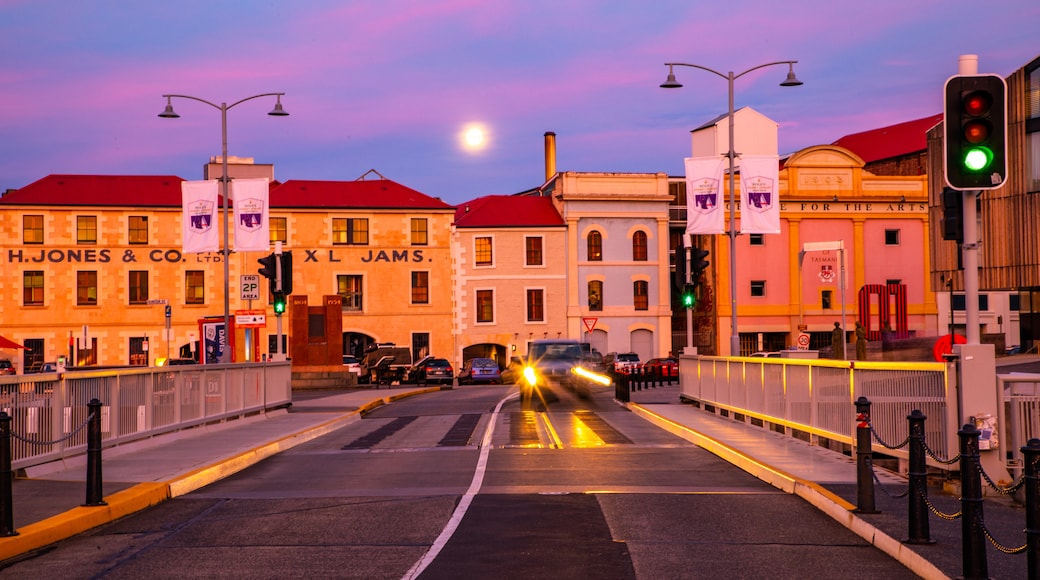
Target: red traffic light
[[977, 103]]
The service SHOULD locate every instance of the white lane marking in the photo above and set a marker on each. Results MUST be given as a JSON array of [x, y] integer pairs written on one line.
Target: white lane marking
[[467, 498]]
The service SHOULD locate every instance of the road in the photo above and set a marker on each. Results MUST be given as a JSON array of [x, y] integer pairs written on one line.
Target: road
[[466, 484]]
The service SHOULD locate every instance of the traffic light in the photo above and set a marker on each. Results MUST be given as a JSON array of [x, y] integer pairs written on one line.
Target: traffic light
[[689, 296], [975, 143], [698, 263], [270, 271], [279, 302], [286, 262], [953, 215]]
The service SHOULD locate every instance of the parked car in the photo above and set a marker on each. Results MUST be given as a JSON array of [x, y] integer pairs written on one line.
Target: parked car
[[352, 363], [480, 370], [663, 367], [621, 362], [433, 370], [6, 368], [181, 361]]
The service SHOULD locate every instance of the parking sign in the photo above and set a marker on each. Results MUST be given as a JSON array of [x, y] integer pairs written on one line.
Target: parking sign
[[250, 287]]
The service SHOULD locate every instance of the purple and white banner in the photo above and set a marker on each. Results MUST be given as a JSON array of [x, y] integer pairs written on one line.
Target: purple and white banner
[[252, 230], [759, 194], [705, 209], [199, 214]]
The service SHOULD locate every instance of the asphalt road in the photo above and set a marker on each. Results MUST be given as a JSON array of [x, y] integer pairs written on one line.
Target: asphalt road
[[574, 489]]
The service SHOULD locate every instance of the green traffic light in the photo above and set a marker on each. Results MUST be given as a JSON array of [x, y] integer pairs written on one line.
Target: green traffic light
[[689, 301], [977, 158], [279, 303]]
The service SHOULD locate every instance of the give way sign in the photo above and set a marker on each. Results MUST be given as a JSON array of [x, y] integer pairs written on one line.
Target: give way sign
[[590, 323]]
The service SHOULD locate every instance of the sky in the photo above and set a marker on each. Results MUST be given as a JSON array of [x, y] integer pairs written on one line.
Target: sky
[[394, 85]]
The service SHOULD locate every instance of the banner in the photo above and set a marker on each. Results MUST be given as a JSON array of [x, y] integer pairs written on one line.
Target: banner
[[705, 210], [759, 194], [199, 214], [252, 228]]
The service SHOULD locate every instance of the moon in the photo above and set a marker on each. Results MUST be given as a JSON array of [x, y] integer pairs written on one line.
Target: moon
[[474, 137]]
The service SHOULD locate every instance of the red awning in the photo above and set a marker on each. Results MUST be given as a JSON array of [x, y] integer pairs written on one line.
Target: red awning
[[6, 343]]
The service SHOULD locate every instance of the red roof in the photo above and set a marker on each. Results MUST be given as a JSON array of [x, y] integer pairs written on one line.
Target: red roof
[[165, 191], [100, 190], [367, 194], [892, 141], [508, 211]]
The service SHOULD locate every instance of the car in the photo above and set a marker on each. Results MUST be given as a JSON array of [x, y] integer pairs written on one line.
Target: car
[[181, 361], [433, 370], [43, 367], [352, 363], [765, 354], [621, 362], [6, 368], [479, 370], [663, 367]]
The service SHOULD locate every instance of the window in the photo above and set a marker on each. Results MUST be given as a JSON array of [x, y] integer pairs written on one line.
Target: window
[[758, 288], [757, 239], [957, 301], [596, 295], [482, 253], [825, 299], [595, 243], [32, 288], [195, 287], [639, 246], [1014, 303], [350, 231], [891, 237], [349, 287], [86, 229], [533, 251], [485, 306], [279, 229], [137, 229], [420, 232], [32, 229], [536, 305], [983, 302], [138, 287], [641, 295], [86, 288], [420, 287]]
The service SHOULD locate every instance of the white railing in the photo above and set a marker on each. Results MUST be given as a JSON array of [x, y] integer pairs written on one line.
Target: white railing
[[1020, 415], [48, 411], [818, 397]]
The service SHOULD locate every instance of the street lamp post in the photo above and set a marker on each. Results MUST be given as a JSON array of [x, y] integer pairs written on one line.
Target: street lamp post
[[278, 111], [671, 83]]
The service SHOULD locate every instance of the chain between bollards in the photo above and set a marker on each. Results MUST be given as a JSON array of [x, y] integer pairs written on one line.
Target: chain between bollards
[[864, 452], [94, 479]]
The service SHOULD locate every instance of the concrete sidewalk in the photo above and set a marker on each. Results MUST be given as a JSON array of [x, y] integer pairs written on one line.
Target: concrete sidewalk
[[48, 505]]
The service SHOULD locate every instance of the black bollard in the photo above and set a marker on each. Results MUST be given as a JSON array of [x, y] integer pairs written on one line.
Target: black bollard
[[864, 468], [1031, 454], [626, 387], [6, 478], [973, 539], [94, 480], [919, 533]]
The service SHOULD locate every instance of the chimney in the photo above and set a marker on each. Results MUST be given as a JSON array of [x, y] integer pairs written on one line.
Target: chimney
[[550, 155]]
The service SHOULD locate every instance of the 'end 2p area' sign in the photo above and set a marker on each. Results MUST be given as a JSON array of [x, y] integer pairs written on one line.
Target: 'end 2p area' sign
[[250, 286]]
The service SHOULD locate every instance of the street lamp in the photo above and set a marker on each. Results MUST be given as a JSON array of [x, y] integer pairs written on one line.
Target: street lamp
[[671, 83], [278, 111]]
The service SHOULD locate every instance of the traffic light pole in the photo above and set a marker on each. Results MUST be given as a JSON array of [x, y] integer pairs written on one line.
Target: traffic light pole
[[690, 348], [278, 354], [969, 65]]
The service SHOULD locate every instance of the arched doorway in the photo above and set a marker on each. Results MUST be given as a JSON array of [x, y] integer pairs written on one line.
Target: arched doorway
[[354, 344], [495, 352]]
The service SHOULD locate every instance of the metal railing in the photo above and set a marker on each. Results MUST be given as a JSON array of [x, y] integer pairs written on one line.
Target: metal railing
[[1019, 414], [814, 396], [137, 403]]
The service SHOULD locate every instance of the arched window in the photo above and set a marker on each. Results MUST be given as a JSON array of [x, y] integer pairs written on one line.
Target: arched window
[[595, 246], [639, 246], [595, 295]]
